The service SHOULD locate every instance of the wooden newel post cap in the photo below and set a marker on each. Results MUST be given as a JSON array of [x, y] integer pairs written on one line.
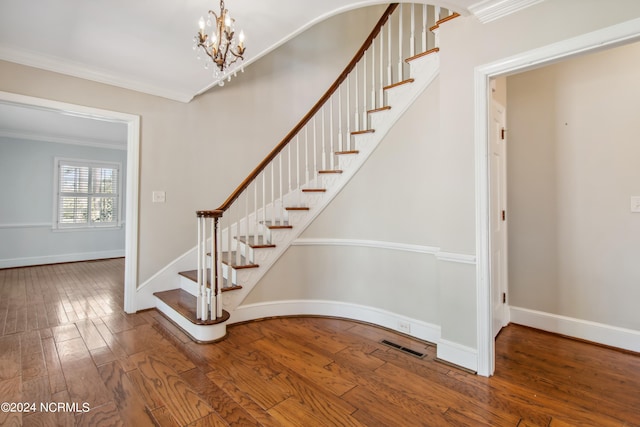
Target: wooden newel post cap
[[209, 214]]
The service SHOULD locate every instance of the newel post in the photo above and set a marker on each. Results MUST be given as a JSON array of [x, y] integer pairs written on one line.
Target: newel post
[[209, 279]]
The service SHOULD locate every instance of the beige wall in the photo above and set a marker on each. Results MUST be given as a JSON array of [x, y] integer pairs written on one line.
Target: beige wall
[[573, 166], [199, 152]]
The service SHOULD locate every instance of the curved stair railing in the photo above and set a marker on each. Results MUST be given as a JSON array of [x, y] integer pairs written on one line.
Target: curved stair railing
[[309, 154]]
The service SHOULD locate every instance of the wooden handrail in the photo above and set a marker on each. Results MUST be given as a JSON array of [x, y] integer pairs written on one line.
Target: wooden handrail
[[272, 155]]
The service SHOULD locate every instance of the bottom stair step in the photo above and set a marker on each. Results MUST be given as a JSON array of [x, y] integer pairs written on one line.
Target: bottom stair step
[[185, 304]]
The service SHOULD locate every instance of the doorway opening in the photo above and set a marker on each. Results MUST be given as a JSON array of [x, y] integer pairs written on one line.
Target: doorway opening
[[130, 214], [591, 42]]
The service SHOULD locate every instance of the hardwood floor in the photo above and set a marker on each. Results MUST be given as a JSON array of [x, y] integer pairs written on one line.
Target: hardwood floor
[[65, 340]]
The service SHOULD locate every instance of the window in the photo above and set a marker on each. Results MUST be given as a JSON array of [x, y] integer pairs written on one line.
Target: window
[[88, 194]]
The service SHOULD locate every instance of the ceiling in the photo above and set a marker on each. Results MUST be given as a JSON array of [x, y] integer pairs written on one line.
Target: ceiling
[[26, 122], [146, 45]]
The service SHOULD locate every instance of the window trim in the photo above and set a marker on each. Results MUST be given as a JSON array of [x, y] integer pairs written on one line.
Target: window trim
[[91, 164]]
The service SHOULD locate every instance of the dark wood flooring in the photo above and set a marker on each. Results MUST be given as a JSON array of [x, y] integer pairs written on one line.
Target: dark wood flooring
[[66, 344]]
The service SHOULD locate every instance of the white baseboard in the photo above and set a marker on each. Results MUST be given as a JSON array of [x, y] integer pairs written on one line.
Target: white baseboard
[[57, 259], [458, 354], [627, 339], [417, 328]]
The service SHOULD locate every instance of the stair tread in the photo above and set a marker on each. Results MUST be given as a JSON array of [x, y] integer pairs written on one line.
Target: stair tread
[[275, 225], [314, 190], [330, 171], [230, 258], [420, 55], [297, 208], [193, 276], [259, 243], [339, 153], [362, 132], [186, 304], [404, 82], [378, 110], [443, 20]]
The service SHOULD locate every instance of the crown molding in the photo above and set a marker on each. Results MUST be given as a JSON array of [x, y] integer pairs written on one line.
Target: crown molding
[[39, 137], [490, 10], [61, 66]]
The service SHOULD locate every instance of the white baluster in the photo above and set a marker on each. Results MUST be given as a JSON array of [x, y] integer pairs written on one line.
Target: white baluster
[[315, 150], [331, 142], [273, 193], [324, 150], [356, 115], [217, 264], [238, 235], [373, 75], [400, 36], [348, 112], [281, 195], [290, 146], [364, 91], [389, 60], [199, 274], [264, 204], [256, 227], [381, 94], [340, 133], [298, 187], [211, 301], [246, 224], [412, 39], [424, 28], [306, 154]]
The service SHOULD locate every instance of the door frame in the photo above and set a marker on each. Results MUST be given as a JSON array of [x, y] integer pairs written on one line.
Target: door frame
[[131, 187], [619, 34]]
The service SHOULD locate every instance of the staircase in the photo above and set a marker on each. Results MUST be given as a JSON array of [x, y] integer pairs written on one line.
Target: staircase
[[240, 241]]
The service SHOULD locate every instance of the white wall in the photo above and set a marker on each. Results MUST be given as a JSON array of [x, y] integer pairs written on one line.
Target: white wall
[[26, 211], [573, 166]]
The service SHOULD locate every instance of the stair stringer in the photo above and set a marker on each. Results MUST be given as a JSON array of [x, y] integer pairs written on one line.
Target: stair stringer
[[423, 70]]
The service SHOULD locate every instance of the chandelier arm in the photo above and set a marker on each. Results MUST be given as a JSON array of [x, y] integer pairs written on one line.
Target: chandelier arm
[[206, 50], [237, 56]]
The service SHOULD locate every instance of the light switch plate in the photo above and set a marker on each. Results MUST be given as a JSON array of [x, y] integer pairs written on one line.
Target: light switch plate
[[635, 204], [158, 197]]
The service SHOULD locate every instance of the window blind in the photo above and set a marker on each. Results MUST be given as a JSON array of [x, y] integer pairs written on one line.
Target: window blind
[[88, 194]]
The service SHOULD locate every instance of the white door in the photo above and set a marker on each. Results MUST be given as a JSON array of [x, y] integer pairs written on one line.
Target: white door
[[498, 198]]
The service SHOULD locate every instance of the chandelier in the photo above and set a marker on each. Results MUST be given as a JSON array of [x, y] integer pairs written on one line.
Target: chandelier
[[221, 44]]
